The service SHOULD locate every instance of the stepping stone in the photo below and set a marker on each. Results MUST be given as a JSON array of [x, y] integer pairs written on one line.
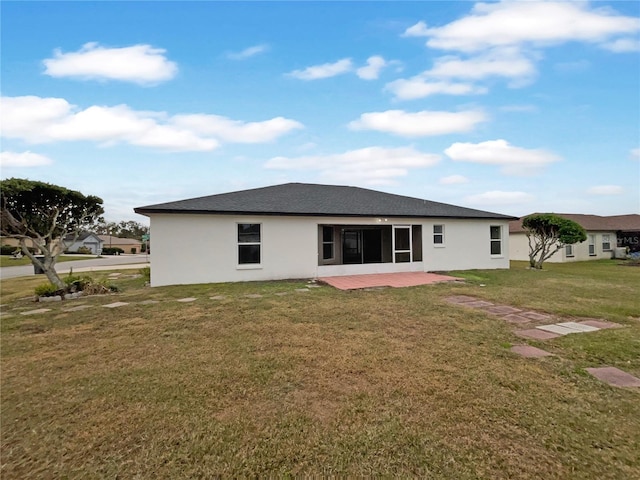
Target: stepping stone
[[528, 351], [478, 304], [578, 327], [115, 305], [313, 286], [77, 309], [115, 274], [282, 294], [614, 377], [538, 317], [557, 329], [218, 297], [516, 318], [187, 300], [35, 312], [302, 290], [460, 299], [502, 310], [536, 334], [253, 295], [149, 302], [600, 324]]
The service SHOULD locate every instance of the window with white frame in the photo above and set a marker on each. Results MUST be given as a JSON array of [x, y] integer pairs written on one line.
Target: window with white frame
[[249, 243], [592, 245], [438, 235], [606, 242], [496, 239], [568, 250]]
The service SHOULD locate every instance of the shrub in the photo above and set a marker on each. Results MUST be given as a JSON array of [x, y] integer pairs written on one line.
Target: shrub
[[8, 249], [47, 290], [146, 273], [112, 251], [84, 250]]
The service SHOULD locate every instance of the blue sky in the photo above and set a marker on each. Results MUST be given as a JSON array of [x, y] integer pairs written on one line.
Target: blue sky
[[511, 107]]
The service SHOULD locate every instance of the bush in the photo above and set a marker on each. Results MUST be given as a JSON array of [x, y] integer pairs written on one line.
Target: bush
[[84, 250], [112, 251], [146, 273], [8, 249], [47, 290]]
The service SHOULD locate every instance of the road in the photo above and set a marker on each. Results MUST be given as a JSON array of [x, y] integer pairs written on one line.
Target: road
[[104, 263]]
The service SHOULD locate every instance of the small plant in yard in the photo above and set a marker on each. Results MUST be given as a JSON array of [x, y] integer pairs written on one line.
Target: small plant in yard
[[47, 290], [74, 284], [146, 273]]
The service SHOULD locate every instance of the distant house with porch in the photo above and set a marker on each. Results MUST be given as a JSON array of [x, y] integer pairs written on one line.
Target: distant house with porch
[[86, 240], [604, 235], [299, 230]]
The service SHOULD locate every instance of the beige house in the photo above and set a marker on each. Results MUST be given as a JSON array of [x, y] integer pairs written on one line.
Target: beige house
[[604, 235], [129, 245]]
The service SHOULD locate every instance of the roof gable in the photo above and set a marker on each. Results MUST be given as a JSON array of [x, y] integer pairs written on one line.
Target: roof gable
[[317, 200]]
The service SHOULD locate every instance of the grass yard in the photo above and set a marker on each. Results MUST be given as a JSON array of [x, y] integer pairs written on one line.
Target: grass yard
[[9, 261], [389, 382]]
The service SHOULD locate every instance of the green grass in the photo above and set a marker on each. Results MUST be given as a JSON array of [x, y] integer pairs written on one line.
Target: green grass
[[9, 261], [392, 382]]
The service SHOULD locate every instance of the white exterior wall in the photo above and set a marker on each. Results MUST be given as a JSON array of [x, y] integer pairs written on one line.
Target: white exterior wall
[[520, 249], [199, 248]]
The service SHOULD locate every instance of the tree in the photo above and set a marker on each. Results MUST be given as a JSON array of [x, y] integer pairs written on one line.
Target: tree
[[45, 213], [547, 233], [124, 229]]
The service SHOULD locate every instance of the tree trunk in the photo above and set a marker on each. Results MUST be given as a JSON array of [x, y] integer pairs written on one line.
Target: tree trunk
[[47, 265]]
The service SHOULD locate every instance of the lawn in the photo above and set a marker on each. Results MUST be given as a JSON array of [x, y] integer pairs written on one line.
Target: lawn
[[388, 382], [9, 261]]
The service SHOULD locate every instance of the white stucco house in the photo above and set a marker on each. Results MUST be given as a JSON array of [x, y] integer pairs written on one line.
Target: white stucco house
[[604, 234], [85, 239], [299, 230]]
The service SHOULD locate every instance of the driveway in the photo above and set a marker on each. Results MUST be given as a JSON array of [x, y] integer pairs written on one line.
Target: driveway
[[123, 261]]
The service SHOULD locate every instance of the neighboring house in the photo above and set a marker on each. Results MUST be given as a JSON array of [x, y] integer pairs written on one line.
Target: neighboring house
[[604, 234], [85, 239], [14, 242], [301, 230], [129, 245]]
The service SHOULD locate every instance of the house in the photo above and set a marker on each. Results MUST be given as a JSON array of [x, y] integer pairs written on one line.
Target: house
[[128, 245], [299, 230], [604, 234], [87, 240]]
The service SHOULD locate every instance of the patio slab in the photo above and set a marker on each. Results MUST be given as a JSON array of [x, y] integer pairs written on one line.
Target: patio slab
[[614, 377], [149, 302], [478, 304], [253, 295], [396, 280], [186, 300], [578, 327], [218, 297], [460, 299], [536, 316], [528, 351], [536, 334], [557, 329], [502, 310], [516, 318]]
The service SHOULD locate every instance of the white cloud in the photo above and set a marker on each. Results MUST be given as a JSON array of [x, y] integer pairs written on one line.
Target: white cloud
[[372, 165], [419, 124], [622, 45], [418, 87], [511, 23], [23, 159], [513, 160], [235, 130], [325, 70], [605, 190], [372, 70], [418, 30], [635, 153], [453, 180], [498, 198], [41, 120], [141, 64], [248, 52]]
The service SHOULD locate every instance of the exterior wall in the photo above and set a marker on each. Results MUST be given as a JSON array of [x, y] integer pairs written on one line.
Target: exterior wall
[[192, 248], [520, 249]]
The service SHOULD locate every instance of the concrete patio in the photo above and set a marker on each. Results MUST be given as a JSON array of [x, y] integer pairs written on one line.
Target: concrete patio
[[407, 279]]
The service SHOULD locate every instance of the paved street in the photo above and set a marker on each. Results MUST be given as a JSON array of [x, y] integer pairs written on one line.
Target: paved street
[[123, 261]]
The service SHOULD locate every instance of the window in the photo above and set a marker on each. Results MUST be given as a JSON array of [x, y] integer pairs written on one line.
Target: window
[[496, 239], [438, 235], [249, 243], [327, 243], [402, 244], [606, 243], [592, 245], [568, 250]]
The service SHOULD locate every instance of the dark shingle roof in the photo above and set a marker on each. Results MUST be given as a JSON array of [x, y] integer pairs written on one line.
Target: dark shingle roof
[[317, 200]]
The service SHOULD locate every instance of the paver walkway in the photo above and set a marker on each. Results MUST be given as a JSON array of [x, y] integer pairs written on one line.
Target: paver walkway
[[407, 279], [609, 375]]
